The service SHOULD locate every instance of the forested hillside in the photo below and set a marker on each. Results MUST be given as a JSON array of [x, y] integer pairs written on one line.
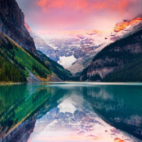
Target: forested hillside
[[130, 72], [120, 61], [10, 72], [16, 63]]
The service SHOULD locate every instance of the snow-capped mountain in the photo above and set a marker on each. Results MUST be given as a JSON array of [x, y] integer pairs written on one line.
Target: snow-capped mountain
[[75, 51], [73, 48]]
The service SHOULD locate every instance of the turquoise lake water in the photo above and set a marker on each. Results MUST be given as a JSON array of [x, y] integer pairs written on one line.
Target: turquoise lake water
[[71, 112]]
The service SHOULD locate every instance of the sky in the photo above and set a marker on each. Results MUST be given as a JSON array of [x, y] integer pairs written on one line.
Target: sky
[[47, 16]]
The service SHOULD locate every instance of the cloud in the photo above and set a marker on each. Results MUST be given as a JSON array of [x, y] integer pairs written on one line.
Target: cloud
[[111, 5], [45, 4], [64, 15]]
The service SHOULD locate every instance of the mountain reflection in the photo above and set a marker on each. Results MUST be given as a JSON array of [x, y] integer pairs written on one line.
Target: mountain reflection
[[118, 105], [70, 112], [19, 103]]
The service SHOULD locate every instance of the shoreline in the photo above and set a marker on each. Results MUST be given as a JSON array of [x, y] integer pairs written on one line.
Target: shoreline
[[91, 83], [9, 83]]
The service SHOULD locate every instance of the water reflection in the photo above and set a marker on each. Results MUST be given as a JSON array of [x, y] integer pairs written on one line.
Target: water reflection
[[71, 112], [19, 103]]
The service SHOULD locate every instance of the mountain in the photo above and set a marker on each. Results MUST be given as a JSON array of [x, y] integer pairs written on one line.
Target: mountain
[[75, 51], [71, 50], [18, 55], [12, 24], [120, 61], [20, 60], [19, 65], [56, 68]]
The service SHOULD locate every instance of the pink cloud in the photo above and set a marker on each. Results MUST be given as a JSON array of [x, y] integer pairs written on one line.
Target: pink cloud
[[70, 15], [46, 4], [111, 5]]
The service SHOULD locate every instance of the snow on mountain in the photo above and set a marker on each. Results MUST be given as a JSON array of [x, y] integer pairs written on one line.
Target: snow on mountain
[[66, 62]]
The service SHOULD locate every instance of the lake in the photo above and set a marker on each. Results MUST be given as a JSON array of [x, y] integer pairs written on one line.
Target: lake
[[71, 112]]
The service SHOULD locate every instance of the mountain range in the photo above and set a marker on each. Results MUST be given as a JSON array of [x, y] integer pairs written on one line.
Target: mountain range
[[78, 56], [75, 51]]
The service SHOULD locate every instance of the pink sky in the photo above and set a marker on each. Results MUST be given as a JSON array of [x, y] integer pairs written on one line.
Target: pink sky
[[45, 16]]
